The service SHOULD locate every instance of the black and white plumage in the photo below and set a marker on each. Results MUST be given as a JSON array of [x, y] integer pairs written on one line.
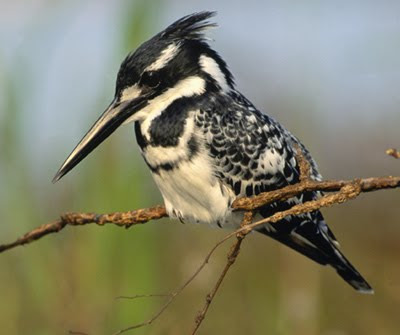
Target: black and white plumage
[[206, 144]]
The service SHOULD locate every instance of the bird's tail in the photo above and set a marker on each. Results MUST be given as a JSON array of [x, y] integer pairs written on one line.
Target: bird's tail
[[348, 272], [316, 241]]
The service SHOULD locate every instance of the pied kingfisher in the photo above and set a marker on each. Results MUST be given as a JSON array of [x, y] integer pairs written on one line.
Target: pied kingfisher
[[206, 144]]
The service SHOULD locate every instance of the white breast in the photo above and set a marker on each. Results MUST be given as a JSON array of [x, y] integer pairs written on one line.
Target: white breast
[[192, 193]]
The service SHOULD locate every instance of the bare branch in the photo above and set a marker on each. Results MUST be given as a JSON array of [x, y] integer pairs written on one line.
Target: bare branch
[[347, 192], [366, 185], [140, 216], [122, 219], [304, 165]]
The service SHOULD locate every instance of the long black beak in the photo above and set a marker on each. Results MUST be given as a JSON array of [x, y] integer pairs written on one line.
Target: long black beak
[[116, 114]]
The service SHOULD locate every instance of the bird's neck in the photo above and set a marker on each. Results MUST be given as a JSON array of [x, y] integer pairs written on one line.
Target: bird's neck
[[166, 127], [169, 141]]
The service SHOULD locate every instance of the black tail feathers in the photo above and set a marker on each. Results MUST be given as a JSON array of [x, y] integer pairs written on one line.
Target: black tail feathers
[[347, 271], [317, 242]]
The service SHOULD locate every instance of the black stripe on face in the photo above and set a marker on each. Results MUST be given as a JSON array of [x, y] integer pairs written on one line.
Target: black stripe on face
[[140, 139]]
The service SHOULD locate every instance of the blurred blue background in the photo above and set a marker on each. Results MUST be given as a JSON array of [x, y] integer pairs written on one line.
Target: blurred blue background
[[329, 71]]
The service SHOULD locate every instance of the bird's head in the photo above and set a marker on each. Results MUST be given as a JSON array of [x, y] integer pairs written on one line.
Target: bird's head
[[175, 63]]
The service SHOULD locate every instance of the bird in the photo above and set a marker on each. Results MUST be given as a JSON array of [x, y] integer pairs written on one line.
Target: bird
[[206, 144]]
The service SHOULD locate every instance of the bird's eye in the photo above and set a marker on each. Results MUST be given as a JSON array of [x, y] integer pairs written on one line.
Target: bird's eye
[[150, 79]]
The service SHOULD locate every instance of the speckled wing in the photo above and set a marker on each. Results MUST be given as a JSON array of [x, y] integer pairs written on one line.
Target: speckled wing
[[253, 153]]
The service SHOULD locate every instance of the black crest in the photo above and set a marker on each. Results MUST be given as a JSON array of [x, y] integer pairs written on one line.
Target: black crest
[[189, 33], [189, 27]]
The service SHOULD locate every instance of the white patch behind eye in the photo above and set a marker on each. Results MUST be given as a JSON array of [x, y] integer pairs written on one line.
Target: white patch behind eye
[[211, 67], [130, 93], [165, 56]]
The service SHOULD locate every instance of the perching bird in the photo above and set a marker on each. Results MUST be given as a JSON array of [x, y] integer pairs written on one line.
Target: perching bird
[[206, 144]]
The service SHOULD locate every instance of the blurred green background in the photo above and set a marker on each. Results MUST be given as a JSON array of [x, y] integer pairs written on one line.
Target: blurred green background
[[330, 71]]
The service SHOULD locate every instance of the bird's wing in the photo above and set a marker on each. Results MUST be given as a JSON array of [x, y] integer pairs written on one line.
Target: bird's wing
[[253, 153]]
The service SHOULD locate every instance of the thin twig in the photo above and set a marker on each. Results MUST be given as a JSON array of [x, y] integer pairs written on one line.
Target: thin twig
[[138, 296], [173, 295], [153, 318], [231, 258]]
